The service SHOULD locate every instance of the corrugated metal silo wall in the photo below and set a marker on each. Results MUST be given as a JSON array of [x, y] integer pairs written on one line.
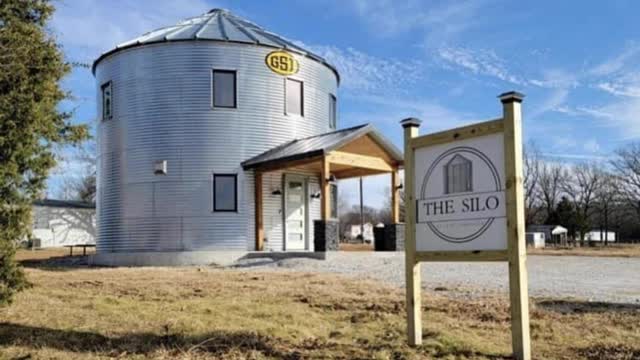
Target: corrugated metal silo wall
[[162, 111]]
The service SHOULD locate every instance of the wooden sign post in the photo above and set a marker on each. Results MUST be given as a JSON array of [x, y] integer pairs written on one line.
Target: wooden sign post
[[465, 202]]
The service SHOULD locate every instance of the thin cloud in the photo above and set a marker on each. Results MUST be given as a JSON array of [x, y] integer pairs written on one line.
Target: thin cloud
[[581, 157], [553, 102], [478, 62], [362, 72], [625, 85], [88, 28], [616, 63], [621, 116], [440, 20]]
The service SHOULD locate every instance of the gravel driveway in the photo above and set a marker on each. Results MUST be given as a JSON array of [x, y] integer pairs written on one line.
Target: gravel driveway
[[605, 279]]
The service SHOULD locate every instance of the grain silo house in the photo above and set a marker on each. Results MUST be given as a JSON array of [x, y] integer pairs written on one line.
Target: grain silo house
[[218, 138]]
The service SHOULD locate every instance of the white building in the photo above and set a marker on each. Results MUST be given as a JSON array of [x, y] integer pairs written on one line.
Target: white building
[[355, 231], [58, 223], [535, 239], [553, 234], [600, 236]]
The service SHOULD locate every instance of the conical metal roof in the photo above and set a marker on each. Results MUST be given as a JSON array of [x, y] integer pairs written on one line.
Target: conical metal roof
[[216, 25]]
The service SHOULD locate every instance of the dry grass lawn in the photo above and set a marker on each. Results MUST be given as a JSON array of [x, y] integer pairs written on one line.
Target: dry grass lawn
[[205, 313], [612, 250]]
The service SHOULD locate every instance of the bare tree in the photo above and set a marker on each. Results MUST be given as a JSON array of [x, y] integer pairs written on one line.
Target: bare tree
[[582, 188], [549, 189], [385, 211], [627, 169], [607, 196], [79, 180], [344, 209], [531, 169]]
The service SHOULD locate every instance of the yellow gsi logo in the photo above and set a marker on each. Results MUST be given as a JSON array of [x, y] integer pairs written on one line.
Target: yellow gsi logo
[[282, 62]]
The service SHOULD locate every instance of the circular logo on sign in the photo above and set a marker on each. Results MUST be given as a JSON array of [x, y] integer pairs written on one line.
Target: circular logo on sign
[[282, 62], [459, 194]]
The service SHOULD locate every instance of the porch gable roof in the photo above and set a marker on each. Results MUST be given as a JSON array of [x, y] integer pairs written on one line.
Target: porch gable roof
[[322, 144]]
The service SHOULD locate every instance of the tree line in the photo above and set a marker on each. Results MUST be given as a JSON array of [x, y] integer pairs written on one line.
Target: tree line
[[581, 196], [589, 195]]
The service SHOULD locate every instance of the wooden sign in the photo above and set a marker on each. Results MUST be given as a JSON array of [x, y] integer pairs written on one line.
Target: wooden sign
[[460, 195], [465, 202]]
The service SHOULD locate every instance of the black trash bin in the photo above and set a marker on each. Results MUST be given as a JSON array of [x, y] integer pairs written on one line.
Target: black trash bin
[[389, 238]]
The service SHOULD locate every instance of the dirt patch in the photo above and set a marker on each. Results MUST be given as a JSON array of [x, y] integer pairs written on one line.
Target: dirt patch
[[612, 250], [610, 352], [356, 247]]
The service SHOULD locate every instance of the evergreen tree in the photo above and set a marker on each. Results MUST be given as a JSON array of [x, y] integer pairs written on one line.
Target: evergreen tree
[[565, 215], [31, 123]]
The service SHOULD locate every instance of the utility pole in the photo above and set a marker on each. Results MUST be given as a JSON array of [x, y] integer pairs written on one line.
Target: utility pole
[[361, 212]]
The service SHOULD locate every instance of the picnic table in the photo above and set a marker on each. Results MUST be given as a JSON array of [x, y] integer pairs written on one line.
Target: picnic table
[[83, 246]]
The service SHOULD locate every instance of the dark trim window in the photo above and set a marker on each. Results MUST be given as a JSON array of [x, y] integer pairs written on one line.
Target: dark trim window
[[225, 192], [223, 89], [294, 97], [333, 111], [107, 100]]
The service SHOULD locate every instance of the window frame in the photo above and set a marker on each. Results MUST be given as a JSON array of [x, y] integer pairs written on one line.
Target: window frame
[[286, 101], [108, 84], [235, 192], [235, 88]]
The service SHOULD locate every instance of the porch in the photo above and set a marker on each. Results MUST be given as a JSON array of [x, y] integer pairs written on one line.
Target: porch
[[354, 152]]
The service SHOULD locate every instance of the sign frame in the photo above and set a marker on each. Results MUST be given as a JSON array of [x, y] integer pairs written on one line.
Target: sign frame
[[510, 125]]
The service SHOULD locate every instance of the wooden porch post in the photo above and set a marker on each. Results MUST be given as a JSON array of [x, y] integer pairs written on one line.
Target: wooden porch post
[[395, 196], [258, 211], [325, 208]]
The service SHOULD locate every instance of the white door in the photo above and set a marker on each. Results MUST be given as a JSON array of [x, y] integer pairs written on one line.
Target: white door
[[295, 213]]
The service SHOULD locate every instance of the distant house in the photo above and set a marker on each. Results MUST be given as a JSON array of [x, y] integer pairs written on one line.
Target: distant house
[[60, 222], [597, 235], [535, 239], [553, 234], [353, 232]]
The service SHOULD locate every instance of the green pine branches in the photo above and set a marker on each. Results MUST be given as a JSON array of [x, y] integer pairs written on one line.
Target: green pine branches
[[31, 124]]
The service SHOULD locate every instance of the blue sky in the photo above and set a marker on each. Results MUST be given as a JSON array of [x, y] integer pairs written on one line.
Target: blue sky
[[578, 62]]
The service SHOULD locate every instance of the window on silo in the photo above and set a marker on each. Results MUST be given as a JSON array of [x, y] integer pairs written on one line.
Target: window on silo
[[225, 192], [224, 88], [294, 95], [107, 101], [333, 111]]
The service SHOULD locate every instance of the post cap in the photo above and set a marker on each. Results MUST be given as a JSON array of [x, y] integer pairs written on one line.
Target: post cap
[[410, 122], [511, 96]]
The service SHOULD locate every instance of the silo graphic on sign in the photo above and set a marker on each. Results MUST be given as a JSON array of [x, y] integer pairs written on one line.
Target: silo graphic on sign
[[458, 175], [460, 197]]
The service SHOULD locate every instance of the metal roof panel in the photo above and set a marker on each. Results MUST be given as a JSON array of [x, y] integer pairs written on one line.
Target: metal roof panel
[[219, 25], [321, 144]]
